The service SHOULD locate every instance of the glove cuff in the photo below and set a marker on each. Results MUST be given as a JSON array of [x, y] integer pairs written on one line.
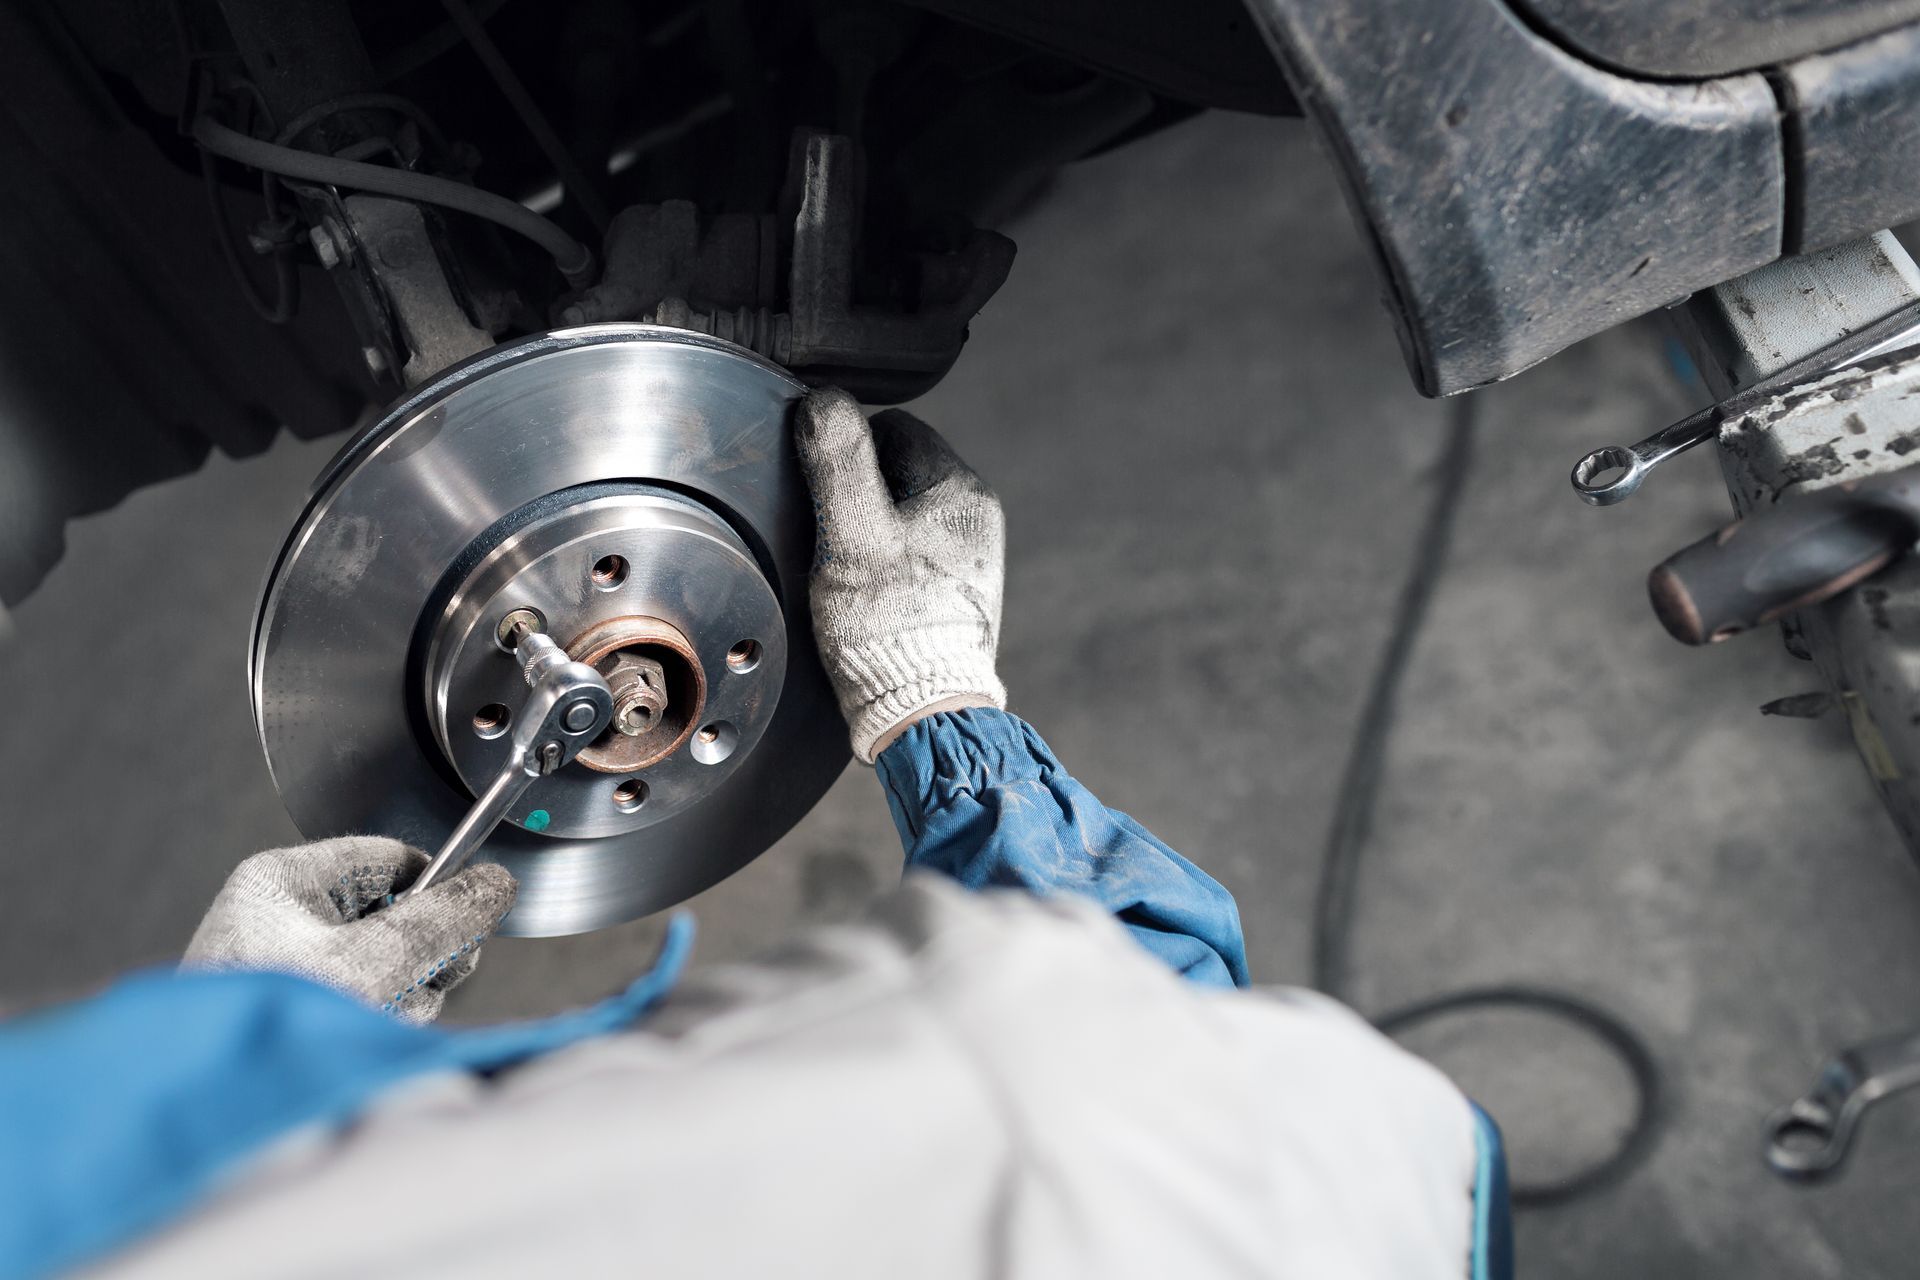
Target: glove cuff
[[882, 684]]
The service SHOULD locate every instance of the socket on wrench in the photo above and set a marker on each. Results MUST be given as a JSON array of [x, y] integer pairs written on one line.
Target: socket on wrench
[[570, 704]]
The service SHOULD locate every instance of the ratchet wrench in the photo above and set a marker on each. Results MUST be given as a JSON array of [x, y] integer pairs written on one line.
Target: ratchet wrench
[[1893, 332], [569, 706], [1808, 1139]]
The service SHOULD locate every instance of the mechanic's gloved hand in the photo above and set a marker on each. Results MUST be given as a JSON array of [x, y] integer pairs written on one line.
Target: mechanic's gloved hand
[[907, 568], [304, 910]]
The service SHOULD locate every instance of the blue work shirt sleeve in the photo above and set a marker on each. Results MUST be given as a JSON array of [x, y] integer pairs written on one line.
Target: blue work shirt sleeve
[[979, 796]]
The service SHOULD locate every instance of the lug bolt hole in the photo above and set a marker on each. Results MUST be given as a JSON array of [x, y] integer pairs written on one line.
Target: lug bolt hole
[[609, 572], [630, 795], [714, 742], [491, 720], [744, 657]]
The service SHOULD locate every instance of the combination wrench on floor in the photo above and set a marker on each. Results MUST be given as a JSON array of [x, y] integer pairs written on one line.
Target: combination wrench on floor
[[1808, 1139]]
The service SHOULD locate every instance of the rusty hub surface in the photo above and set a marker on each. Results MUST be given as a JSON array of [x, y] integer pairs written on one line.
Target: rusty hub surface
[[659, 691]]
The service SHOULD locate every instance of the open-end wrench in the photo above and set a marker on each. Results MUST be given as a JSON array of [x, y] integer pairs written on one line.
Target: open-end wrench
[[1893, 332], [1808, 1139], [569, 706]]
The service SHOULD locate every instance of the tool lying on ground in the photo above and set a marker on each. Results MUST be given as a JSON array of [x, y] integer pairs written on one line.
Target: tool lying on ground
[[1809, 1139], [569, 706], [1786, 557], [1891, 333]]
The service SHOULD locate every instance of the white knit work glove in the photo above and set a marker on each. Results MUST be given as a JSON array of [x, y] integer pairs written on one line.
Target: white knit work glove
[[907, 569], [304, 910]]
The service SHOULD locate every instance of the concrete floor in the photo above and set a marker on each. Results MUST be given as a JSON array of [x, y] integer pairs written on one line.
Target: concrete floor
[[1213, 468]]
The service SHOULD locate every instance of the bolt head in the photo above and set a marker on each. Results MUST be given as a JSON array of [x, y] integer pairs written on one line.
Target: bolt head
[[639, 692], [325, 247], [515, 627]]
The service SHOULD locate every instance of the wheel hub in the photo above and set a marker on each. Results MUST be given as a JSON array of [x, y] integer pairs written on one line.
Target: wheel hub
[[631, 492]]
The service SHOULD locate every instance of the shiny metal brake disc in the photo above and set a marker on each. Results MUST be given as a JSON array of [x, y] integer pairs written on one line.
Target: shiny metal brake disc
[[632, 492]]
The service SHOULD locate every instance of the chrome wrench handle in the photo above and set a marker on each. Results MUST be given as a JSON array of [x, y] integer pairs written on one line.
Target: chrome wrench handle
[[570, 705], [1808, 1139], [478, 823], [1893, 332]]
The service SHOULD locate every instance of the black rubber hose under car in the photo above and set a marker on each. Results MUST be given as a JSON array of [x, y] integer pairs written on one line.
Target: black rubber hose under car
[[574, 259]]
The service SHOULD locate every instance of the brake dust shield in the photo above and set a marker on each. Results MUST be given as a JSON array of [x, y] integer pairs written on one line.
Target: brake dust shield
[[636, 489]]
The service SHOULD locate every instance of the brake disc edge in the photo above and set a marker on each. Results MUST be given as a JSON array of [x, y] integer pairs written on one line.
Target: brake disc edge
[[396, 507]]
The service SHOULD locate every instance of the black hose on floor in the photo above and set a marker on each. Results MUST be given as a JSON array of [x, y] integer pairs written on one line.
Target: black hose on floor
[[1353, 819]]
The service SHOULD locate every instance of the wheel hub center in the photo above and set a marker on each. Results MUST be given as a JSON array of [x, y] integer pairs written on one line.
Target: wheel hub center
[[640, 692], [657, 593], [659, 691]]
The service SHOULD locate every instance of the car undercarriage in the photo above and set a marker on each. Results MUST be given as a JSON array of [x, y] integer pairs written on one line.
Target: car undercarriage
[[566, 269]]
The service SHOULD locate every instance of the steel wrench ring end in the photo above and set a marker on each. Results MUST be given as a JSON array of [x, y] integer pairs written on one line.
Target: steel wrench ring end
[[1807, 1141], [1614, 457]]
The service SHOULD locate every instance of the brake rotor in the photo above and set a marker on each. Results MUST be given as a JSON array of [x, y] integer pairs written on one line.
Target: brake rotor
[[631, 491]]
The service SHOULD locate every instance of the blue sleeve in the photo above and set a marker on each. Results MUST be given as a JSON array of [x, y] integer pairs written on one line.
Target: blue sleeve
[[978, 796], [1492, 1255], [123, 1110]]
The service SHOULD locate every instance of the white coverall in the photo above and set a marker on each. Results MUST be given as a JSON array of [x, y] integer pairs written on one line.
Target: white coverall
[[961, 1085]]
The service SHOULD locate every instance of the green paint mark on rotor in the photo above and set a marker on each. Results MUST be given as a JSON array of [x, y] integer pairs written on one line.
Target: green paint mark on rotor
[[538, 820]]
